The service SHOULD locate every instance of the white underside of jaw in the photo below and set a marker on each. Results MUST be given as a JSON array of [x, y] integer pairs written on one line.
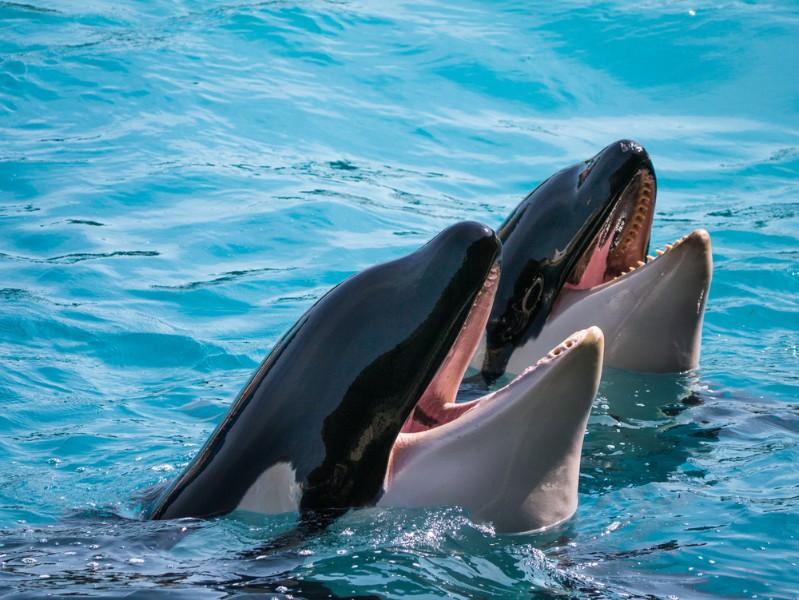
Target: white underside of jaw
[[514, 458], [274, 492]]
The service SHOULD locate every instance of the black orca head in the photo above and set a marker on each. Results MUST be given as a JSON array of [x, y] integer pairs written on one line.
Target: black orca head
[[584, 225], [328, 402]]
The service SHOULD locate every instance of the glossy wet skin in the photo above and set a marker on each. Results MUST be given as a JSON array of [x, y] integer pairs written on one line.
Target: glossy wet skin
[[581, 227], [332, 396]]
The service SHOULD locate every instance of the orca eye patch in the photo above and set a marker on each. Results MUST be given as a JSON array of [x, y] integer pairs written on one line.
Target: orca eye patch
[[589, 166], [533, 295]]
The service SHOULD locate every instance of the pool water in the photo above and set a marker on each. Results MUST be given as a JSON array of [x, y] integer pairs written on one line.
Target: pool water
[[179, 181]]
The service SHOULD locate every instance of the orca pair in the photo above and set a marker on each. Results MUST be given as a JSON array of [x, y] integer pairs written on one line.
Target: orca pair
[[356, 405]]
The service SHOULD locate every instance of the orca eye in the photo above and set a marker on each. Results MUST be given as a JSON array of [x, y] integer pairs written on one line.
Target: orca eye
[[589, 166], [533, 295]]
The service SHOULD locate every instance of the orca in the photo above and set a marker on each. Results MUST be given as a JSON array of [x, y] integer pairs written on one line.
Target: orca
[[313, 429], [574, 255], [512, 457]]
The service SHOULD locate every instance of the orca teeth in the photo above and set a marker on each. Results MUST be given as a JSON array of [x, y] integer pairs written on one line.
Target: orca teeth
[[555, 353], [666, 249], [489, 287], [640, 215]]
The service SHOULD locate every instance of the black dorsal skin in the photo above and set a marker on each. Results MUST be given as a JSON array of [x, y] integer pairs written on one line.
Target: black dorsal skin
[[332, 396], [543, 238]]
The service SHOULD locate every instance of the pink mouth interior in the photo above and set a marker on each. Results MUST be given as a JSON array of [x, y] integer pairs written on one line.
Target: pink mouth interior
[[622, 240], [620, 244], [437, 405]]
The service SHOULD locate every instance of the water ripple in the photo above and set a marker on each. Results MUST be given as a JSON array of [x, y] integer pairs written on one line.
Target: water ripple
[[80, 256], [227, 277], [264, 151]]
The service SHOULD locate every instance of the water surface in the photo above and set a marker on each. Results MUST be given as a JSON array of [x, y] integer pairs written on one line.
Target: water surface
[[179, 182]]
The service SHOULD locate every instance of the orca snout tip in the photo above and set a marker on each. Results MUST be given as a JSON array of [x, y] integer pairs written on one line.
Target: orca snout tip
[[628, 145], [477, 235], [699, 236], [475, 229], [586, 342], [693, 254], [627, 154], [698, 243], [592, 336], [589, 341]]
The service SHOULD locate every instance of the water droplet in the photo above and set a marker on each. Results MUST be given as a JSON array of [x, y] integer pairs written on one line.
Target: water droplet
[[614, 526]]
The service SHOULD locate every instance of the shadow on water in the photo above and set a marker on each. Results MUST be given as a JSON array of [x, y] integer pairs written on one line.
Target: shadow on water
[[370, 553], [102, 553], [642, 430]]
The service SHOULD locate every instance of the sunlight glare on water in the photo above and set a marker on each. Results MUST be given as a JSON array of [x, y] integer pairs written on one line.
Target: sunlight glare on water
[[180, 181]]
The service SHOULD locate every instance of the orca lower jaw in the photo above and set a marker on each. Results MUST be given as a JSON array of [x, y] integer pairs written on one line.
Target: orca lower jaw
[[698, 238], [651, 315], [623, 238], [513, 457]]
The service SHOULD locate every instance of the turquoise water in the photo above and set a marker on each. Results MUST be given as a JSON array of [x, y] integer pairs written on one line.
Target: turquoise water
[[179, 181]]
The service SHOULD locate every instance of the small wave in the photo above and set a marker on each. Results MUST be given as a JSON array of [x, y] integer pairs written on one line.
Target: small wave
[[28, 7], [85, 222], [14, 294], [80, 256], [226, 277]]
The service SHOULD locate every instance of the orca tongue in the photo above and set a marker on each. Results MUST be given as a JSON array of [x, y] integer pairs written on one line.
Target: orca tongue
[[594, 273]]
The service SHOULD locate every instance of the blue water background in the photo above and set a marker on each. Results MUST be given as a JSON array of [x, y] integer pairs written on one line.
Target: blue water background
[[179, 181]]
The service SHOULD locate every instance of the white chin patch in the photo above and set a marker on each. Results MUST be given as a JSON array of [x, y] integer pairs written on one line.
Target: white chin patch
[[275, 491]]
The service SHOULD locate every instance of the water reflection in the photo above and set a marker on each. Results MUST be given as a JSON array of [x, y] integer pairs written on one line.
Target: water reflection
[[641, 430]]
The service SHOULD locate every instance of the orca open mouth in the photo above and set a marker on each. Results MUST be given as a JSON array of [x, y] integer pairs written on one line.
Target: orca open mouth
[[437, 403], [694, 235], [437, 409], [623, 239]]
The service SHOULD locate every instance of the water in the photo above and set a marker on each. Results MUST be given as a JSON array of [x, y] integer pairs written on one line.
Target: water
[[180, 181]]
